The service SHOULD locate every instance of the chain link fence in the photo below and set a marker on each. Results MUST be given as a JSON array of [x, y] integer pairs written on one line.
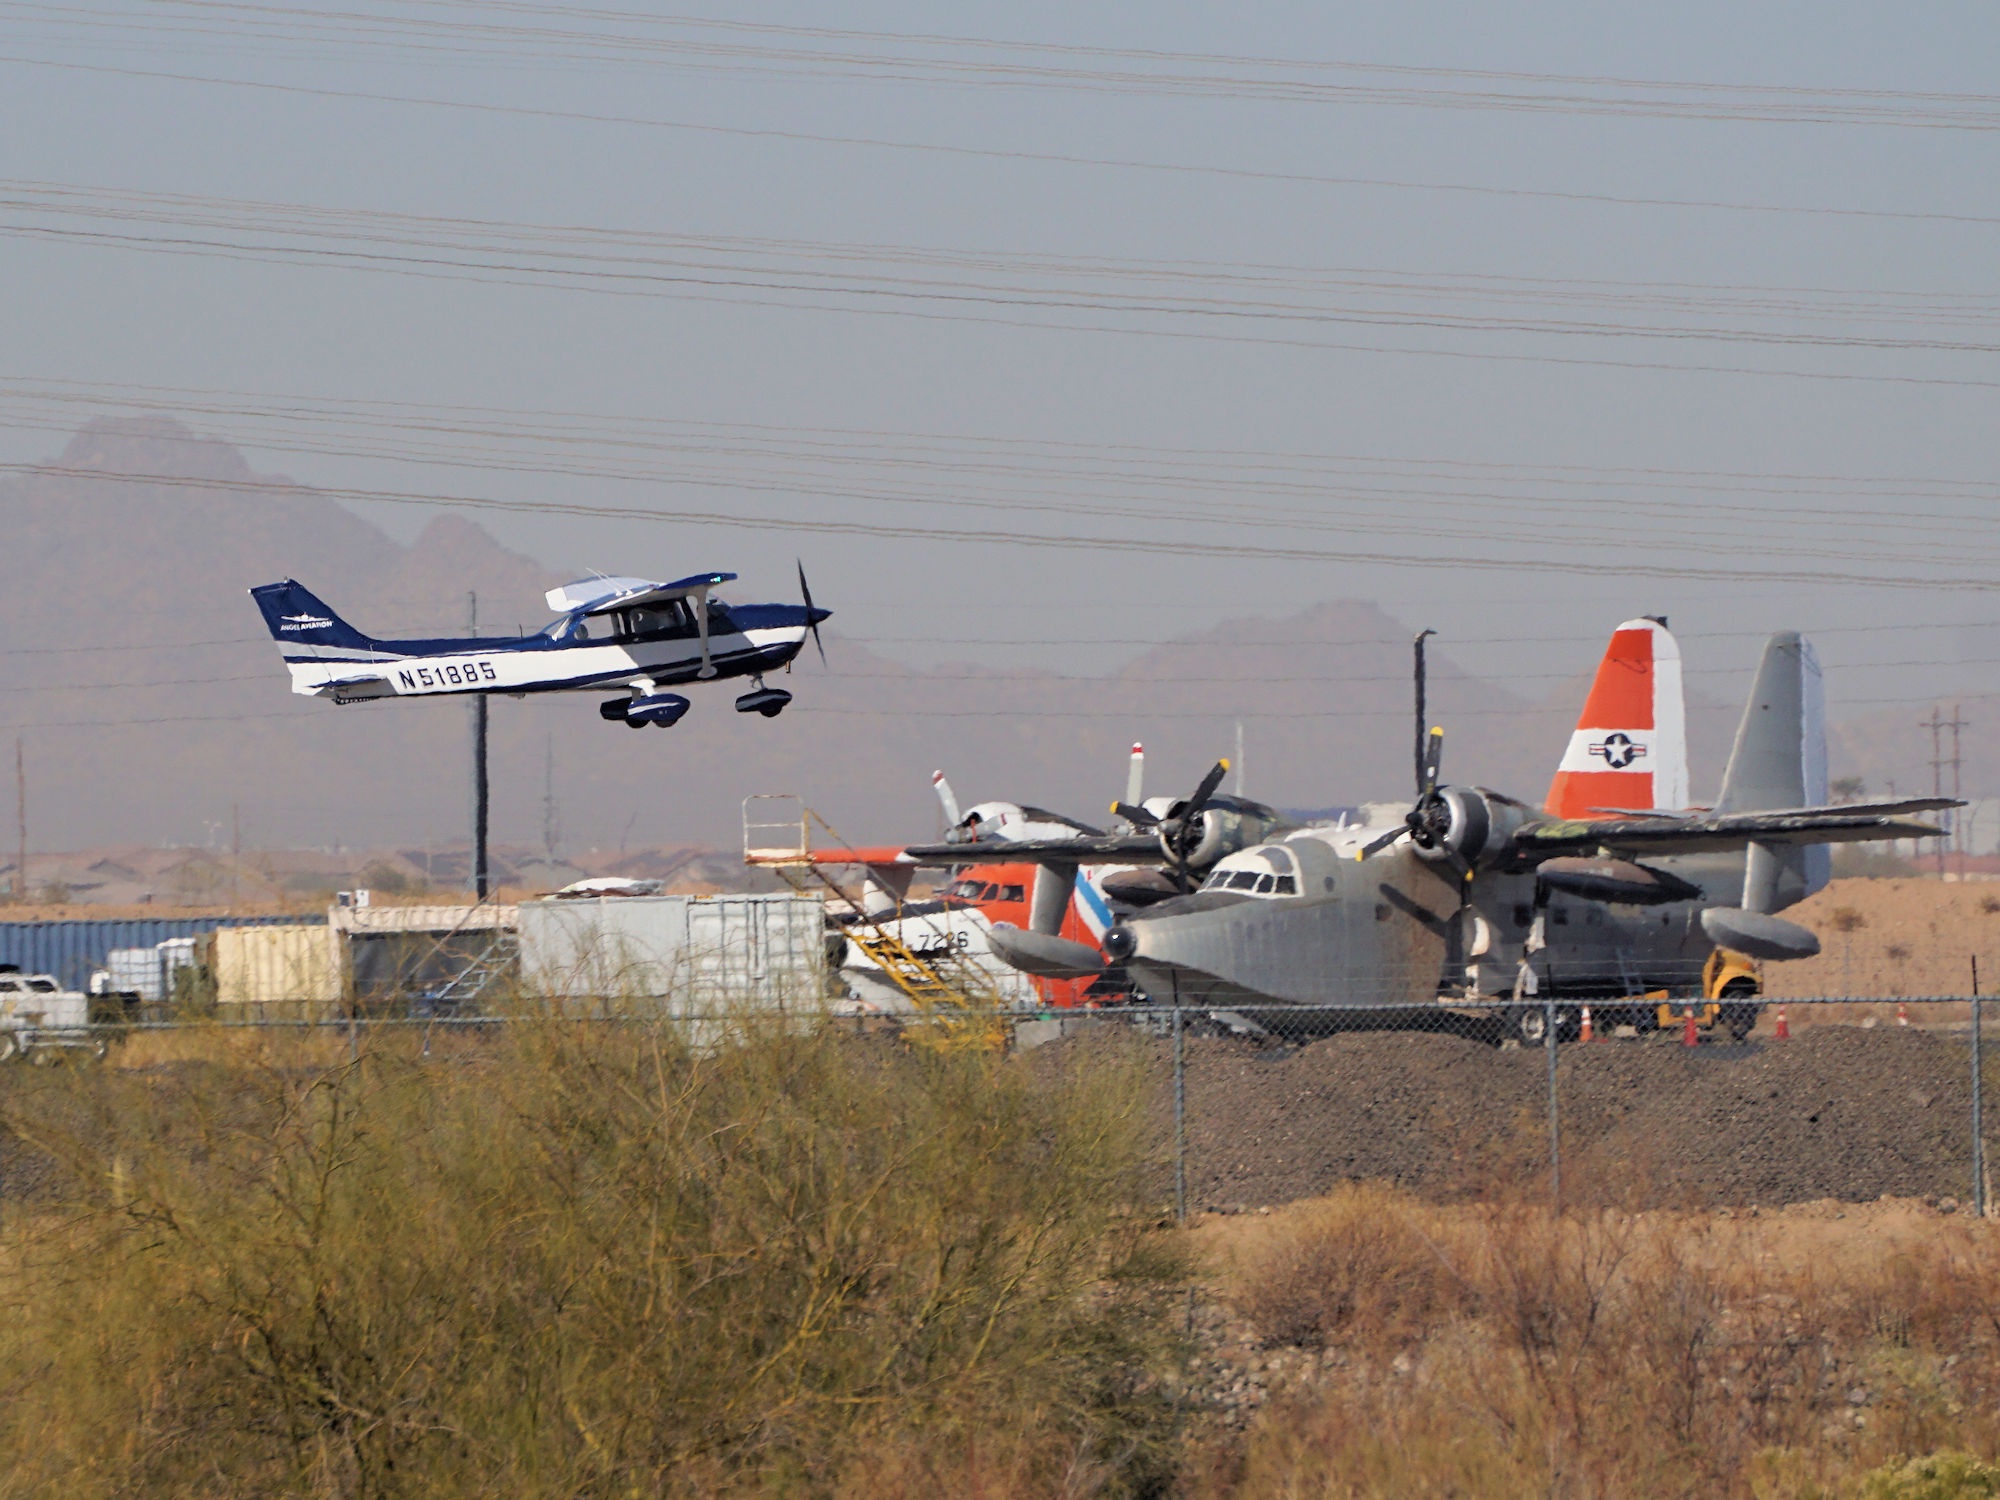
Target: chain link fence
[[1635, 1101]]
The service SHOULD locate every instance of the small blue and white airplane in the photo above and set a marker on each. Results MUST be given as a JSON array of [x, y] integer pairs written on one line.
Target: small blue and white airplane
[[627, 635]]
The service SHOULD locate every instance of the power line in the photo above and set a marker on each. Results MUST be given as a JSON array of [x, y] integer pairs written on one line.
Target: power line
[[1051, 158], [963, 536], [955, 286], [765, 49]]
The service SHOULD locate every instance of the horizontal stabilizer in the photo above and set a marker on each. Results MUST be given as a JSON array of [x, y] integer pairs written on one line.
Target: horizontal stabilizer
[[352, 689]]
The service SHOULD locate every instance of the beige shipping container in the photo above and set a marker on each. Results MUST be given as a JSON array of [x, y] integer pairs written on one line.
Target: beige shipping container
[[266, 965]]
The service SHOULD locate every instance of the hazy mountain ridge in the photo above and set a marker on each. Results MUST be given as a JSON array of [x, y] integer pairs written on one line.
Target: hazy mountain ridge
[[151, 702]]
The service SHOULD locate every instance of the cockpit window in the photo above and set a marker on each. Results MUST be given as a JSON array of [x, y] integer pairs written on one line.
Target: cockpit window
[[1266, 883], [1243, 880], [42, 986], [1288, 885], [1012, 893]]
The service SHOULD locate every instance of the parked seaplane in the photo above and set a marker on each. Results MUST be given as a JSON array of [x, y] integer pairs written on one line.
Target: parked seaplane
[[1482, 903], [629, 636]]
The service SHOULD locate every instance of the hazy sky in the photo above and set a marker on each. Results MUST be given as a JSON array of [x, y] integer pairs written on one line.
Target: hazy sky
[[892, 336]]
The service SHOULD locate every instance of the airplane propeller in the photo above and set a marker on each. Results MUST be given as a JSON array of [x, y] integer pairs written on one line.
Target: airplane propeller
[[1180, 831], [811, 622], [1429, 819]]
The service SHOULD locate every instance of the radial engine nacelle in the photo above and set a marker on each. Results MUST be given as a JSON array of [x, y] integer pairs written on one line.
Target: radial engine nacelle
[[1217, 831], [1469, 825]]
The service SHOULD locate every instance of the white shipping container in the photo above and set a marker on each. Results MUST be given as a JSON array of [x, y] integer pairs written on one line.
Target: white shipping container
[[147, 972], [767, 952]]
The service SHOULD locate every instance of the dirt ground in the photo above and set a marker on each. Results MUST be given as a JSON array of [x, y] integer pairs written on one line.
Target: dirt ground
[[1895, 937], [1837, 1112]]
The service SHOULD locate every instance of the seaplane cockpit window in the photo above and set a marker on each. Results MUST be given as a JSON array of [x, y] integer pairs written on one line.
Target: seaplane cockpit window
[[1013, 893], [966, 890], [1288, 885], [42, 986]]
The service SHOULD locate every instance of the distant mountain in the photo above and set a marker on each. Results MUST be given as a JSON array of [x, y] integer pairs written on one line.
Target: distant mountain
[[152, 705]]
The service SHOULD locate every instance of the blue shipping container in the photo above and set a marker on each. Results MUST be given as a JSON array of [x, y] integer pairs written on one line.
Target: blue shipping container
[[70, 950]]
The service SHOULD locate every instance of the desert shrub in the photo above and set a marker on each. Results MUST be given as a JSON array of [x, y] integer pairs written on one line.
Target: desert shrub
[[1356, 1260], [1606, 1353], [586, 1261], [1942, 1476]]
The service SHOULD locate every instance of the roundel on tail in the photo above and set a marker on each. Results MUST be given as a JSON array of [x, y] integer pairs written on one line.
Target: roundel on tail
[[1629, 749]]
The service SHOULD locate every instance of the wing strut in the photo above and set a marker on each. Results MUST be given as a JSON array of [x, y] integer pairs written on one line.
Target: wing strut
[[701, 626]]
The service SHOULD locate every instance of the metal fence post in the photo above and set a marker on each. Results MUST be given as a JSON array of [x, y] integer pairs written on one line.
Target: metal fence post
[[1978, 1105], [1180, 1111], [1555, 1131]]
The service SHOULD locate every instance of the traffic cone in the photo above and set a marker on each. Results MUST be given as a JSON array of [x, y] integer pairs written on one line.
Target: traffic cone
[[1688, 1037], [1902, 1014], [1783, 1032], [1583, 1035]]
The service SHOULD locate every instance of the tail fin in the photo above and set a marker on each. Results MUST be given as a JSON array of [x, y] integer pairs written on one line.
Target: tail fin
[[296, 616], [1629, 749], [1779, 760]]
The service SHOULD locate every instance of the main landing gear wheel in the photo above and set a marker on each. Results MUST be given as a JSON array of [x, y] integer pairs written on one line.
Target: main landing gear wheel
[[770, 702], [1739, 1012], [1529, 1024]]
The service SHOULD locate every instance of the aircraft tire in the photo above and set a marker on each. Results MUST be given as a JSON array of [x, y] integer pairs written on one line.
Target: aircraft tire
[[1528, 1024], [1739, 1010]]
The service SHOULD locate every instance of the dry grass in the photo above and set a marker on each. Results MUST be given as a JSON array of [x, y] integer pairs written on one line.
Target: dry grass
[[585, 1261], [1500, 1350]]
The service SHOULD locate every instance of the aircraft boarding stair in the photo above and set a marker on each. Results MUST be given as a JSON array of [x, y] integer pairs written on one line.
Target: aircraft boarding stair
[[959, 999]]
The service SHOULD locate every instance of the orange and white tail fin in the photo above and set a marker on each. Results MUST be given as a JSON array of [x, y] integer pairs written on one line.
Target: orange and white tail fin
[[1629, 751]]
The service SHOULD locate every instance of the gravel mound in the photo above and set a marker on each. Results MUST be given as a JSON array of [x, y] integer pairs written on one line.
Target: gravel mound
[[1838, 1112]]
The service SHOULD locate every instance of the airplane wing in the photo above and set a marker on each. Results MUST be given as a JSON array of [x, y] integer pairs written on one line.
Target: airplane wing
[[889, 855], [596, 596], [1641, 837], [1105, 849]]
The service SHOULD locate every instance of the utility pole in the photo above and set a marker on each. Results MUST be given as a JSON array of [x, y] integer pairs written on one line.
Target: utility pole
[[479, 785], [551, 832], [1937, 723], [21, 822]]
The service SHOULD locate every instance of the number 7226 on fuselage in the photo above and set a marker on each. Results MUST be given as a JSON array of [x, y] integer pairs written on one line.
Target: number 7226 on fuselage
[[630, 636]]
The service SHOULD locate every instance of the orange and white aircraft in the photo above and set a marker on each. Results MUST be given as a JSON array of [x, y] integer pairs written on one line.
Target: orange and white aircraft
[[1628, 753], [959, 923]]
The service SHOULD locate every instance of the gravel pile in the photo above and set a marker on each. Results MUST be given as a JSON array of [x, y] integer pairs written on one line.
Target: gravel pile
[[1838, 1112]]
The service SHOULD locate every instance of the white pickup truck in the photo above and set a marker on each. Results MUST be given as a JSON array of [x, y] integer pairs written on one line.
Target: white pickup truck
[[38, 1017]]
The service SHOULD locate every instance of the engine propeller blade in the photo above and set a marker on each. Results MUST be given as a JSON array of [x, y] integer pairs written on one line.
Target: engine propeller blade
[[1175, 830], [1433, 762], [1135, 814], [1423, 729], [1207, 788], [811, 622], [1382, 841]]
